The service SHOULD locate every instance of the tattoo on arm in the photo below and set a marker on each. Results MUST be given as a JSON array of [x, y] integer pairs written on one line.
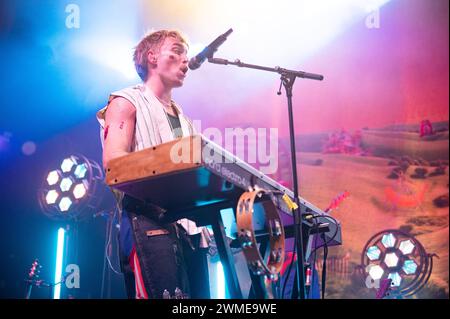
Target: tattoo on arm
[[105, 134]]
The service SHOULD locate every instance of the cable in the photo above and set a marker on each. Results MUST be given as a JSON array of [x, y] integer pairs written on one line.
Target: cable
[[108, 244], [294, 253], [324, 267], [316, 225], [108, 239], [336, 231], [325, 252], [325, 245]]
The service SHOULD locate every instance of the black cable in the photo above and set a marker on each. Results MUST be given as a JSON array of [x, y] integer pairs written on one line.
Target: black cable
[[324, 267], [109, 243], [336, 231], [325, 245], [294, 252], [316, 225]]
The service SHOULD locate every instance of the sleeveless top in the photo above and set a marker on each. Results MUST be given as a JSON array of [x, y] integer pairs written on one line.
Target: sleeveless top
[[152, 128]]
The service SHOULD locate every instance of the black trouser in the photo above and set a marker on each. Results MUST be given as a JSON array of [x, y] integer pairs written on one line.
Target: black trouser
[[168, 257]]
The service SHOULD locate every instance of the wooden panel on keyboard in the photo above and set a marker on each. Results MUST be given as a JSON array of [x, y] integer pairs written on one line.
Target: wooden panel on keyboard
[[152, 162]]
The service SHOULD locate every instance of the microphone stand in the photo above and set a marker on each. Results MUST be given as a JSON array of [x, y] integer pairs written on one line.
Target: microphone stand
[[287, 80]]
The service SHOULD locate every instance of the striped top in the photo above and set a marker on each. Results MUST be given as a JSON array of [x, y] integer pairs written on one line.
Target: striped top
[[152, 123], [152, 128]]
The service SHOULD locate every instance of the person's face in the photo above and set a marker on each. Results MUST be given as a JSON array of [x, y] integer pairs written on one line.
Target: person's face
[[171, 62]]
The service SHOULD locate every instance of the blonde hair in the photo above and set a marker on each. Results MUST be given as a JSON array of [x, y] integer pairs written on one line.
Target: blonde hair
[[152, 41]]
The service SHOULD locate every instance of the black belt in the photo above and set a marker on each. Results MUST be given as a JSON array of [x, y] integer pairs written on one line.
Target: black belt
[[141, 207], [155, 212]]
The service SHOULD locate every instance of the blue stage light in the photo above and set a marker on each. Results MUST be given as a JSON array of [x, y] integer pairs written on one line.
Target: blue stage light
[[69, 192], [220, 280], [400, 257], [59, 263]]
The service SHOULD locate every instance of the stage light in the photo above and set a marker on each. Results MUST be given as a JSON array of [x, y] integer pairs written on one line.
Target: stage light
[[114, 53], [59, 263], [391, 260], [65, 184], [67, 165], [388, 240], [69, 192], [406, 247], [65, 204], [400, 257], [28, 148], [373, 253], [376, 272], [80, 171], [396, 279], [52, 178], [51, 196], [317, 23], [220, 280], [409, 267], [79, 191]]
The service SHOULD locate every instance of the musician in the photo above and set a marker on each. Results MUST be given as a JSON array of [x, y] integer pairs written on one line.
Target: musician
[[156, 258]]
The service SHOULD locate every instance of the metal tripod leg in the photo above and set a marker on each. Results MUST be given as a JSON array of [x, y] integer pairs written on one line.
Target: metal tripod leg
[[257, 289], [226, 257]]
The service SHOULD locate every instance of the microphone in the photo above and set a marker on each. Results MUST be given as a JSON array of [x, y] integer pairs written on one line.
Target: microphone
[[208, 52]]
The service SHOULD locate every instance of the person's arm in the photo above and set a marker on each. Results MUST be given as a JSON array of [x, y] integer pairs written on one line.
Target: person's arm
[[120, 118]]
